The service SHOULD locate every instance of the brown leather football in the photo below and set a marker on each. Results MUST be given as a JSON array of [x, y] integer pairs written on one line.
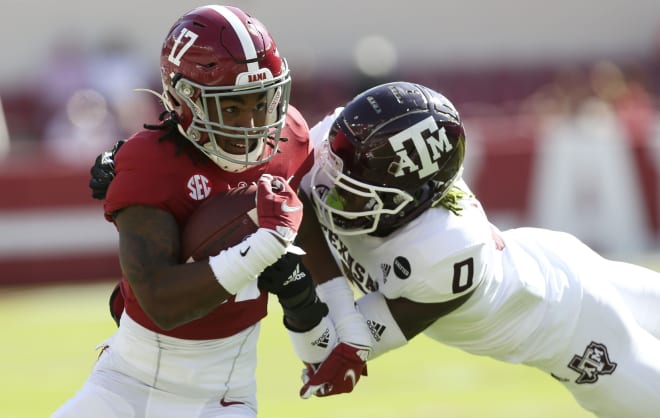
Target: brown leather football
[[223, 221]]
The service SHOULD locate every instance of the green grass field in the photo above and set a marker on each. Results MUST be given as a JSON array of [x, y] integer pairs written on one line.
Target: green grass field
[[49, 335]]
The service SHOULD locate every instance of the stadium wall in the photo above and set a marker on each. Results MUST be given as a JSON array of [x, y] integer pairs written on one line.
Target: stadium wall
[[52, 230]]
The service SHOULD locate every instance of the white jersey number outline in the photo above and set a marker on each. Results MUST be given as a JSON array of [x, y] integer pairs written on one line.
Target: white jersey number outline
[[177, 53]]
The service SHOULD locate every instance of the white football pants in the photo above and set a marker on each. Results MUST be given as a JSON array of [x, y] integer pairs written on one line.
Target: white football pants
[[143, 374]]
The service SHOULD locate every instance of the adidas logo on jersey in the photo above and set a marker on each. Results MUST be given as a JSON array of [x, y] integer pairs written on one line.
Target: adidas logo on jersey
[[376, 329], [323, 340], [296, 275], [385, 268]]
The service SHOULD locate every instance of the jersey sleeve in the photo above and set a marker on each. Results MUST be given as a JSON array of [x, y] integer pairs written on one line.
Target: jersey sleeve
[[443, 257], [319, 132], [448, 278], [298, 132], [132, 185]]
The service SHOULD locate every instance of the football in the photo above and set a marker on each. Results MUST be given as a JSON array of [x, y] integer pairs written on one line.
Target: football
[[223, 221]]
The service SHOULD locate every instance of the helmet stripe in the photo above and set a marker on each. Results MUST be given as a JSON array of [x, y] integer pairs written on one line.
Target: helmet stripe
[[242, 33]]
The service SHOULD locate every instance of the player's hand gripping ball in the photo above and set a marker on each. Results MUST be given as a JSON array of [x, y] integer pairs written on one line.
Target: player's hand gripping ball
[[278, 207], [223, 221]]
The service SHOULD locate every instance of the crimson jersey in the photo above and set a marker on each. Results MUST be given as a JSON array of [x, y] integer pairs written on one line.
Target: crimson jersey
[[150, 173]]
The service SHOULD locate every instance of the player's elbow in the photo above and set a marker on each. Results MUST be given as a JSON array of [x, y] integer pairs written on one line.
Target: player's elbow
[[164, 322], [165, 314], [167, 320], [162, 318]]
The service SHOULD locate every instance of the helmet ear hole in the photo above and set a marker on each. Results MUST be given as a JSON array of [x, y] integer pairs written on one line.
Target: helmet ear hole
[[176, 78], [172, 99]]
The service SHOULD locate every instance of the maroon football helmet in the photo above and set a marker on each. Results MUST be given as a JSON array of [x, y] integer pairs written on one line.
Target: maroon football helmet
[[215, 52], [392, 152]]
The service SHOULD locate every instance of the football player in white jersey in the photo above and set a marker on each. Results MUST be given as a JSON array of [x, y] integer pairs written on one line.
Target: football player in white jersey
[[406, 229]]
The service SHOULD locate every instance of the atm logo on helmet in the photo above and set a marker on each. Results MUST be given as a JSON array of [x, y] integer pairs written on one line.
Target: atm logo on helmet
[[429, 142]]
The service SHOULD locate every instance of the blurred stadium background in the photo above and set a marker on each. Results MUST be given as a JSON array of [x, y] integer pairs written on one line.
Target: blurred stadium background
[[561, 103]]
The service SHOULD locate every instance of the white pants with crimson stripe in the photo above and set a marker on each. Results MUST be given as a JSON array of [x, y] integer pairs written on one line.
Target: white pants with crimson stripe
[[149, 375]]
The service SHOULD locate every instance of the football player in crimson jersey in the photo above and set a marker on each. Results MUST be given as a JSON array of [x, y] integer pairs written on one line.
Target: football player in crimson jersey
[[406, 229], [187, 336]]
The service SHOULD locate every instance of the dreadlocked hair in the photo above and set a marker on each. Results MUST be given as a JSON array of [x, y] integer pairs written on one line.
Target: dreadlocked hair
[[451, 199], [170, 127]]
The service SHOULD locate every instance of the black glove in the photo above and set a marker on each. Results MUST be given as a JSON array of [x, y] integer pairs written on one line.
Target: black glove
[[290, 280], [103, 171]]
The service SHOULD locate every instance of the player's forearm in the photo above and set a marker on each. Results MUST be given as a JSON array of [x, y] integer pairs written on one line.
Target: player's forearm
[[384, 330], [318, 258]]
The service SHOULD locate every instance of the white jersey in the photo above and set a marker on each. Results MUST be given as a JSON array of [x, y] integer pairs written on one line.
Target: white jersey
[[440, 256], [540, 297]]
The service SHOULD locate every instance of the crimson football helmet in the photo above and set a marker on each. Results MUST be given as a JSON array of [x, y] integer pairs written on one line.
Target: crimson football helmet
[[392, 152], [215, 52]]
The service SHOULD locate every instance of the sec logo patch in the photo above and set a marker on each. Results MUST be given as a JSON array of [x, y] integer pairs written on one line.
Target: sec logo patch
[[199, 187]]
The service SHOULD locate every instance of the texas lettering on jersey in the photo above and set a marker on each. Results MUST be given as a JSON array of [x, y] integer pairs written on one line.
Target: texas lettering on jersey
[[353, 270]]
